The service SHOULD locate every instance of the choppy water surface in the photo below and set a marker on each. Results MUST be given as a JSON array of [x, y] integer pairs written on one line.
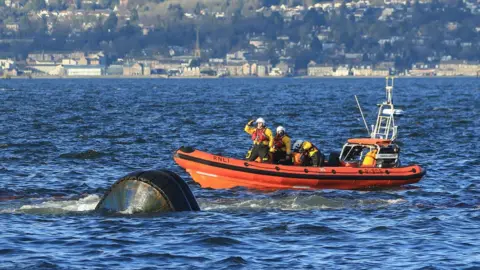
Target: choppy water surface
[[64, 142]]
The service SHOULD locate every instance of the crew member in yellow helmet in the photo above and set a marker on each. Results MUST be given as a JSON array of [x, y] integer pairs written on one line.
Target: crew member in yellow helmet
[[282, 147], [310, 155], [262, 140]]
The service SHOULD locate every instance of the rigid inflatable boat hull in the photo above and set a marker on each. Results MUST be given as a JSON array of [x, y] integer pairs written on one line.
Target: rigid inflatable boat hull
[[218, 172]]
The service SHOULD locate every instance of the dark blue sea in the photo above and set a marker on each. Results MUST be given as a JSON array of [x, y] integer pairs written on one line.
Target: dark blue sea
[[63, 143]]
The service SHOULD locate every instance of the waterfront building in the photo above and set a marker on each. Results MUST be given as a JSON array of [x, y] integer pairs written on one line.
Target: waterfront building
[[135, 69], [235, 69], [319, 70], [362, 70], [458, 68], [113, 70], [423, 69], [380, 72], [342, 71], [82, 70], [191, 72], [246, 69]]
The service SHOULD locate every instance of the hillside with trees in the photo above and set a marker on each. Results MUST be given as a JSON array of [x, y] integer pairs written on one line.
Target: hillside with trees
[[403, 33]]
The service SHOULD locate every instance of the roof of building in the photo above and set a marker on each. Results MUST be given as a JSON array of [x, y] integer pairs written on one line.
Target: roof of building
[[83, 66]]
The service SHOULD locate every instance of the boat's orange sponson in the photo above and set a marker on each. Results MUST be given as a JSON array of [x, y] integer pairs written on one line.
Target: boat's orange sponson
[[219, 172]]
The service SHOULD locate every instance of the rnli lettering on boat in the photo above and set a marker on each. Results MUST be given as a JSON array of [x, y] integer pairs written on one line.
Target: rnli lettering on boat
[[373, 171], [221, 159]]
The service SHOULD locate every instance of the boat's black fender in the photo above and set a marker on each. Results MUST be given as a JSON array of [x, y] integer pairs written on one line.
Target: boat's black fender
[[148, 192]]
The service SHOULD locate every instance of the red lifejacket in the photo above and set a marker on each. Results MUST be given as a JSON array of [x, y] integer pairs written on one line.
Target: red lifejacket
[[259, 135], [278, 142]]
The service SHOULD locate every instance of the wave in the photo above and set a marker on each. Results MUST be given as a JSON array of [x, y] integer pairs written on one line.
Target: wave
[[188, 122], [293, 203], [316, 229], [150, 254], [16, 204], [84, 204], [442, 109], [113, 135], [235, 260], [289, 203], [28, 145], [74, 119], [378, 229], [219, 241], [89, 154]]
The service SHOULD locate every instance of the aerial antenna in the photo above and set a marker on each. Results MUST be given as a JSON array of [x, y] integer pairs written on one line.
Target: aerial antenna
[[361, 112]]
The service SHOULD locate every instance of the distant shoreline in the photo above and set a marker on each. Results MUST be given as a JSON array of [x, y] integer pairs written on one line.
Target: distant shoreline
[[236, 77]]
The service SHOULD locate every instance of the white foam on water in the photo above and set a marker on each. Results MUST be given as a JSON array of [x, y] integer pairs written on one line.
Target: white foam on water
[[87, 203], [132, 209], [289, 203], [395, 201], [380, 201], [128, 211], [292, 203]]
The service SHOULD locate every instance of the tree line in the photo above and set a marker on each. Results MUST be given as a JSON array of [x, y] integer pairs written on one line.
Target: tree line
[[422, 28]]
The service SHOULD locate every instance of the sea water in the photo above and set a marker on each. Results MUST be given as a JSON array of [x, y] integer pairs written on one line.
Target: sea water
[[65, 142]]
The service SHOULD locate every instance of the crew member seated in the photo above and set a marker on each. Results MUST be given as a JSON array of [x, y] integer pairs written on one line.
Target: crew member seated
[[370, 159], [282, 148], [307, 154]]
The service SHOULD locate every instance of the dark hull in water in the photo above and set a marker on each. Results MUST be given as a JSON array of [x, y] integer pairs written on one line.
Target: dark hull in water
[[148, 192]]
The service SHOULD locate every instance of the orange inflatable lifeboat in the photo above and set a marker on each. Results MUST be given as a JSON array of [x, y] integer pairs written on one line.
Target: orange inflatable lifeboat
[[220, 172], [363, 163]]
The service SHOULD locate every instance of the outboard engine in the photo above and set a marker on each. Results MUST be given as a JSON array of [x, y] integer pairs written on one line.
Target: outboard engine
[[148, 192], [388, 156]]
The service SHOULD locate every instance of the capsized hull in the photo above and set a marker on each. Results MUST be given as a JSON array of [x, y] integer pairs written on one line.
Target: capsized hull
[[219, 172]]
